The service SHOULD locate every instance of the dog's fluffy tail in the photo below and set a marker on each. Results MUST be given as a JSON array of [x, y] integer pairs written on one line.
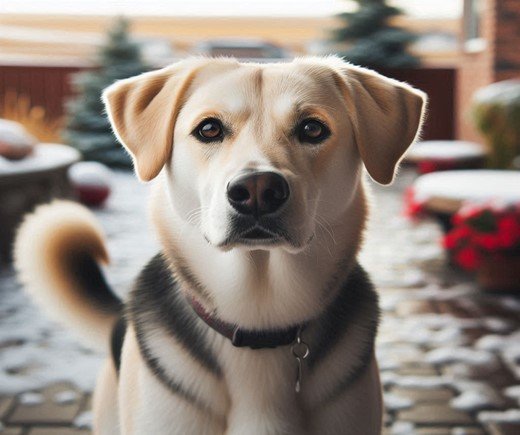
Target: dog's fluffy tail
[[57, 254]]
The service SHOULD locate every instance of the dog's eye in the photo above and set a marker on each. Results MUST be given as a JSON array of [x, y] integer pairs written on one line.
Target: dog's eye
[[209, 130], [312, 131]]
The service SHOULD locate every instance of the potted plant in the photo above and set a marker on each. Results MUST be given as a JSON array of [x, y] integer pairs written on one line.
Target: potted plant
[[486, 239], [496, 112]]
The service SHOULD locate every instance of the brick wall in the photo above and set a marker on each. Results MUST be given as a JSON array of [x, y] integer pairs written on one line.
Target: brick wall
[[475, 71], [507, 40], [497, 59]]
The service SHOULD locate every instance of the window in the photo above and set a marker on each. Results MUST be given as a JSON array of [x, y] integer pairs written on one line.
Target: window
[[473, 38]]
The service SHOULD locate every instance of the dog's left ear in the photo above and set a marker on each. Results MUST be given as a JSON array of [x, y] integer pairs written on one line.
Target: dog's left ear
[[143, 110], [386, 116]]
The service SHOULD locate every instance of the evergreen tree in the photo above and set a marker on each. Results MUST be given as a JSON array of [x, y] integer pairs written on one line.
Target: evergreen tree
[[372, 41], [88, 128]]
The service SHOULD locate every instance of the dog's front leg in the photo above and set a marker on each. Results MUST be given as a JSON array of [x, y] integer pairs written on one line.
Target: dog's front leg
[[149, 407], [358, 409], [261, 385]]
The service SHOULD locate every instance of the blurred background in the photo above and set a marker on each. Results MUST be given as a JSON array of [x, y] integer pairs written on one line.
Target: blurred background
[[449, 349]]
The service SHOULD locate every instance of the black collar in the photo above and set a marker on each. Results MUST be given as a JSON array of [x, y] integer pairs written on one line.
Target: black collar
[[255, 339]]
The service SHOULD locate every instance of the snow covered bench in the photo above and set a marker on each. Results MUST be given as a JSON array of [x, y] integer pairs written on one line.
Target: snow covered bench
[[442, 155], [441, 194], [24, 183]]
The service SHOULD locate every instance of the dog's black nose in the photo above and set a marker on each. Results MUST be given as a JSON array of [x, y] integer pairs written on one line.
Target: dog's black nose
[[257, 193]]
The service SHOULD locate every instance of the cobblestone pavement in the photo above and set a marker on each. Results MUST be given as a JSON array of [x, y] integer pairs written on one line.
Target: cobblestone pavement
[[449, 354]]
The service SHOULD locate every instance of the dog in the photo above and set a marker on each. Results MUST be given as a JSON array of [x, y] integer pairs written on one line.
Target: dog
[[255, 317]]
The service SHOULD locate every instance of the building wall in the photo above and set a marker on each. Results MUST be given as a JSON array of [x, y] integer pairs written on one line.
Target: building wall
[[50, 86], [507, 43], [476, 70], [498, 58]]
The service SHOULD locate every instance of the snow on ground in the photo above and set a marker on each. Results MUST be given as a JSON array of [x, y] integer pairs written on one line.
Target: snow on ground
[[479, 398], [508, 416], [31, 399], [65, 397], [84, 420], [402, 428], [34, 351], [394, 402]]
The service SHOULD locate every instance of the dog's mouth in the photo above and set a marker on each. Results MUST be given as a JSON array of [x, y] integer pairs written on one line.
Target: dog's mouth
[[256, 234]]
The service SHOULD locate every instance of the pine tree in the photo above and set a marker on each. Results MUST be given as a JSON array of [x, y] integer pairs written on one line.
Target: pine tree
[[88, 128], [373, 42]]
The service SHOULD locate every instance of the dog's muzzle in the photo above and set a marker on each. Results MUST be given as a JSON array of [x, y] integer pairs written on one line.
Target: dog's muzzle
[[258, 194]]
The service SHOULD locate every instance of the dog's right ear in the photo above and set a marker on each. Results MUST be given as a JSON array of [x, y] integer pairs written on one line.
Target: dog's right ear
[[143, 110]]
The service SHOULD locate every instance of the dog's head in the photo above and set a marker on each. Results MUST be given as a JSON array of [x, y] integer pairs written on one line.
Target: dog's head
[[255, 155]]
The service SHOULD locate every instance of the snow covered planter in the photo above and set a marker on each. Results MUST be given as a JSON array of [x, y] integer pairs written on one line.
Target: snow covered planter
[[91, 182], [443, 155], [486, 239], [443, 194]]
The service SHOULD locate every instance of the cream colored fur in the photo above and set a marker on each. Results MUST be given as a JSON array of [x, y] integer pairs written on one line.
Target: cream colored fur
[[44, 243], [373, 120]]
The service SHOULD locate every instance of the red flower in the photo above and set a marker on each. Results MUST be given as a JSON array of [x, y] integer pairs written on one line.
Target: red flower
[[468, 258], [412, 207], [487, 241], [471, 211], [508, 231], [433, 165], [426, 167], [449, 241], [456, 235]]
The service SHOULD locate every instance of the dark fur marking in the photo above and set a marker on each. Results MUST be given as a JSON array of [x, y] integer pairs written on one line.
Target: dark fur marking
[[356, 292], [155, 366], [91, 282], [116, 342], [156, 301], [185, 274], [355, 307]]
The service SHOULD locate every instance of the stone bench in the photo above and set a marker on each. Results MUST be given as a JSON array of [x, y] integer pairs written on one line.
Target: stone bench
[[442, 155], [441, 194], [25, 183]]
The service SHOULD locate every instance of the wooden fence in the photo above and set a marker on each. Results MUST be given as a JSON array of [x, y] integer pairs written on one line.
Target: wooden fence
[[50, 86]]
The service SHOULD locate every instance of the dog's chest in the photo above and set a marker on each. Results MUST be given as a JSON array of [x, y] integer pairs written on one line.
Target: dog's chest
[[263, 381]]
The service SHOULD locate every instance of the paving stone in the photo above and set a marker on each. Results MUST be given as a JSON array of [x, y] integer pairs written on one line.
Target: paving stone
[[471, 431], [6, 404], [408, 307], [420, 395], [504, 428], [48, 412], [434, 414], [455, 308], [449, 431], [417, 370], [11, 431], [57, 431], [388, 266], [433, 431]]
